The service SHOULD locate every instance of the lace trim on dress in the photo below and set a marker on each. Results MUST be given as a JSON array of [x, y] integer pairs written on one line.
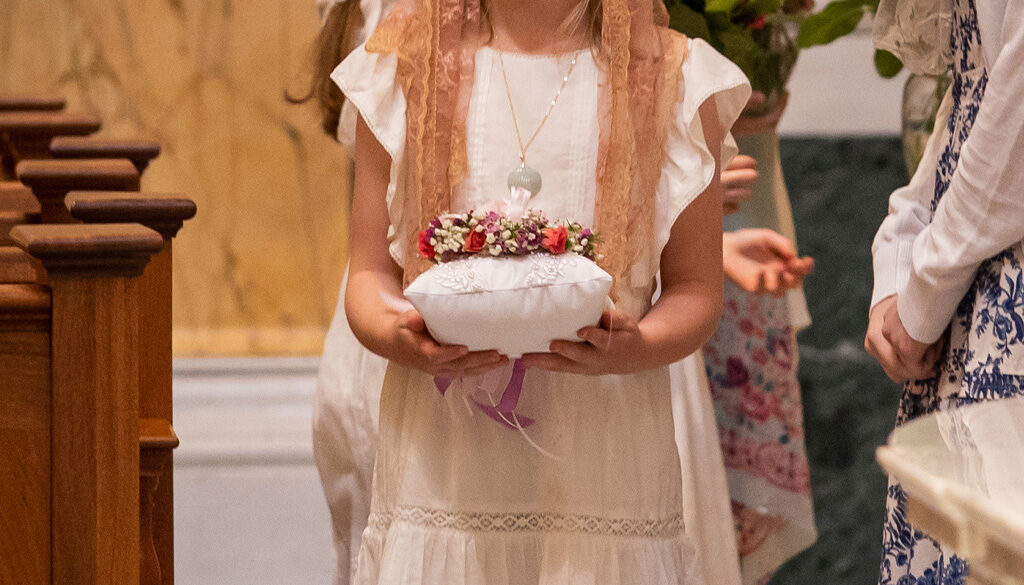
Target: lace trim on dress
[[529, 522]]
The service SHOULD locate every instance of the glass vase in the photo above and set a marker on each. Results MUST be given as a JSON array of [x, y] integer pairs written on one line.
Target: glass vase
[[922, 95]]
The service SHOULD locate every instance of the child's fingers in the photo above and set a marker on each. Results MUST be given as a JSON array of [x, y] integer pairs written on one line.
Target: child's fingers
[[741, 178], [736, 195], [595, 336], [802, 266], [771, 282], [472, 364], [780, 245], [581, 353], [436, 353], [412, 321], [475, 359], [616, 320], [552, 362], [742, 161], [790, 280]]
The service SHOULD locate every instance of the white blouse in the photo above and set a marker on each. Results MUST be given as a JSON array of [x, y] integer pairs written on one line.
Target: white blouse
[[930, 265]]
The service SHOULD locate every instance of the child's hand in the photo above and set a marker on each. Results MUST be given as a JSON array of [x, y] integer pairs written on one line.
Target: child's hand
[[615, 346], [737, 181], [413, 346], [763, 262], [755, 124]]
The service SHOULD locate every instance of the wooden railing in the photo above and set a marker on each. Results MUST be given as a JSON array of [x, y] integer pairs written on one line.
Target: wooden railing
[[85, 355]]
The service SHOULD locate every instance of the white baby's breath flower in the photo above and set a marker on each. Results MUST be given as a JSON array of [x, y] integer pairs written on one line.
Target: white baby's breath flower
[[490, 238]]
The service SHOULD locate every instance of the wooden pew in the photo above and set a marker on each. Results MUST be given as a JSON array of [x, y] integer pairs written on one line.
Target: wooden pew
[[31, 103], [71, 417], [27, 135], [24, 423], [164, 213], [17, 206], [140, 152], [51, 180]]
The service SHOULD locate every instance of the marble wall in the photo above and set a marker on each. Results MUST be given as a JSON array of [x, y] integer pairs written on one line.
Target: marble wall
[[257, 272]]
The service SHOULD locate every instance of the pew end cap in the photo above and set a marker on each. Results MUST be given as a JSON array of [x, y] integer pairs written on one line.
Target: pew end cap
[[92, 250], [162, 212]]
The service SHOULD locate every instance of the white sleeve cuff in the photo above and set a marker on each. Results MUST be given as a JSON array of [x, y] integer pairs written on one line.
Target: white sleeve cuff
[[926, 310], [892, 266]]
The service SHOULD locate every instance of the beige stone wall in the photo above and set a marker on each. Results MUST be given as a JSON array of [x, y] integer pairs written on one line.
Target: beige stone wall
[[257, 272]]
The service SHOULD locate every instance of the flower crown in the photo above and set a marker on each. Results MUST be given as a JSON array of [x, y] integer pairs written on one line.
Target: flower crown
[[452, 236]]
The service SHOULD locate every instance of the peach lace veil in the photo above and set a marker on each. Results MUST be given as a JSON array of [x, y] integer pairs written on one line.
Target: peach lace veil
[[435, 42]]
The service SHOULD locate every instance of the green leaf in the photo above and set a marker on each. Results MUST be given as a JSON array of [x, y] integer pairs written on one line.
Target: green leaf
[[688, 21], [720, 5], [741, 48], [837, 19], [766, 6], [887, 64]]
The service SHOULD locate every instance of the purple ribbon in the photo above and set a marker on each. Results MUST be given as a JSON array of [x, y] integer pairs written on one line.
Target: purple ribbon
[[504, 411]]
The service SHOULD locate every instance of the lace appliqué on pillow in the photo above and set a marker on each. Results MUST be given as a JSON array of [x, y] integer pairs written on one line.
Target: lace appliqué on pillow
[[529, 522], [460, 276], [544, 270]]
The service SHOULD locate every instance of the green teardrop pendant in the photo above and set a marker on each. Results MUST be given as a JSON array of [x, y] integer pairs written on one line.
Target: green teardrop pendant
[[526, 177]]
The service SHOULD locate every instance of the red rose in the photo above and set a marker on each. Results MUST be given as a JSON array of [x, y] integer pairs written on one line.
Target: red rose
[[759, 23], [554, 239], [475, 242], [426, 250]]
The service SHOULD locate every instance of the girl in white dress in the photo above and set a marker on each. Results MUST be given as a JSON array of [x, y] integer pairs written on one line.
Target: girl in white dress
[[458, 498], [345, 420]]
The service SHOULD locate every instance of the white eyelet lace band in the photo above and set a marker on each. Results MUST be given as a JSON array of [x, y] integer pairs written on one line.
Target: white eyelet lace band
[[529, 522]]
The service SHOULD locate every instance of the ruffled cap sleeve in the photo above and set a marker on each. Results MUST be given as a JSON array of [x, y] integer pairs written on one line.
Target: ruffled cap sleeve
[[368, 81], [689, 165]]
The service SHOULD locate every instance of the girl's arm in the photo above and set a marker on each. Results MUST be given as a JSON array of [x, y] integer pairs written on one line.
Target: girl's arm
[[380, 317], [687, 312]]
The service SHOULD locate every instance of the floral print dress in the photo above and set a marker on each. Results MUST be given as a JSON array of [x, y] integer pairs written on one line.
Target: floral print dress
[[985, 355], [752, 371]]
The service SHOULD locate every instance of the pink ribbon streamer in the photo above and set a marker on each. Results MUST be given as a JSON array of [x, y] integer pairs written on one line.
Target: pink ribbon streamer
[[504, 411]]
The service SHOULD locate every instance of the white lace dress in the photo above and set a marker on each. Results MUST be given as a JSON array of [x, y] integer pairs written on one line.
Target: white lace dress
[[459, 499]]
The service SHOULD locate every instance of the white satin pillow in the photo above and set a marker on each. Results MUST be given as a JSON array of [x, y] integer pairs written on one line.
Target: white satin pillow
[[514, 305]]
